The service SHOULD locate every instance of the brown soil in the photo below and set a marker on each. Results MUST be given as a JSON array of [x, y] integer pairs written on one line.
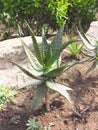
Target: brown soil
[[82, 115]]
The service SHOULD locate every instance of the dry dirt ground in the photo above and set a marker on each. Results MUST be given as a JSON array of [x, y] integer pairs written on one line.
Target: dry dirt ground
[[82, 115]]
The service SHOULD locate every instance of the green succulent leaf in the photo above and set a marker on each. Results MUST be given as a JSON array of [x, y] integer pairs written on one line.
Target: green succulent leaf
[[57, 39], [27, 72], [85, 59], [76, 49], [35, 45], [59, 88], [56, 54], [34, 83], [38, 97], [93, 66], [91, 54], [71, 65], [32, 124], [57, 71], [33, 60], [85, 40], [79, 48], [46, 48], [73, 47], [44, 42]]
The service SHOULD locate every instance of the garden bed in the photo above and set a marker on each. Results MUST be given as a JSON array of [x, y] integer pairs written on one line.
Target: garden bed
[[82, 115]]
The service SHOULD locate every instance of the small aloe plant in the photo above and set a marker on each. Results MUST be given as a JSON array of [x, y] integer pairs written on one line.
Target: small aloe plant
[[47, 65], [74, 49], [92, 47], [32, 124]]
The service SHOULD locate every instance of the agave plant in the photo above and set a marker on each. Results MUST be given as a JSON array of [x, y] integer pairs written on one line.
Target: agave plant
[[92, 47], [47, 64]]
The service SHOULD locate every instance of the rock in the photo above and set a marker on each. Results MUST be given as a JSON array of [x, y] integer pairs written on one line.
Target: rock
[[12, 50], [92, 32]]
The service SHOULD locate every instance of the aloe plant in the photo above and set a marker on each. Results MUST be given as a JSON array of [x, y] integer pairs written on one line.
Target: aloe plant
[[32, 124], [47, 64], [74, 49], [92, 53]]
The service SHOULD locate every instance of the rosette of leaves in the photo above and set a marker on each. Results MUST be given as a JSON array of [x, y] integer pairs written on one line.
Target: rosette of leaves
[[32, 124], [92, 53], [46, 64], [74, 48]]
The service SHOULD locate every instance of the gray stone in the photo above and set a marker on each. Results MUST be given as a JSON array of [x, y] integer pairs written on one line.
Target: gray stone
[[12, 50], [92, 32]]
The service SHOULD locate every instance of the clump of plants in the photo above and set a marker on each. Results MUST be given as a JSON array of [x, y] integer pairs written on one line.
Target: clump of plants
[[6, 94], [79, 11], [46, 66], [38, 13]]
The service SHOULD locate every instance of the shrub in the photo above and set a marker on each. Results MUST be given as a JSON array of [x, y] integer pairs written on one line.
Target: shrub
[[51, 13], [81, 10], [36, 12]]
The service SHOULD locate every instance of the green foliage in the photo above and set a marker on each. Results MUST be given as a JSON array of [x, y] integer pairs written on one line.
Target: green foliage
[[46, 64], [92, 53], [51, 13], [32, 124], [74, 49], [6, 94], [59, 9], [81, 10]]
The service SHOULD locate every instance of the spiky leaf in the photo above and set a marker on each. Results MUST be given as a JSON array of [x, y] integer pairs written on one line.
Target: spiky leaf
[[70, 65], [57, 39], [57, 71], [85, 59], [79, 48], [59, 88], [34, 83], [46, 48], [33, 60], [44, 42], [85, 40], [27, 72], [93, 66], [35, 45], [40, 94], [57, 52]]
